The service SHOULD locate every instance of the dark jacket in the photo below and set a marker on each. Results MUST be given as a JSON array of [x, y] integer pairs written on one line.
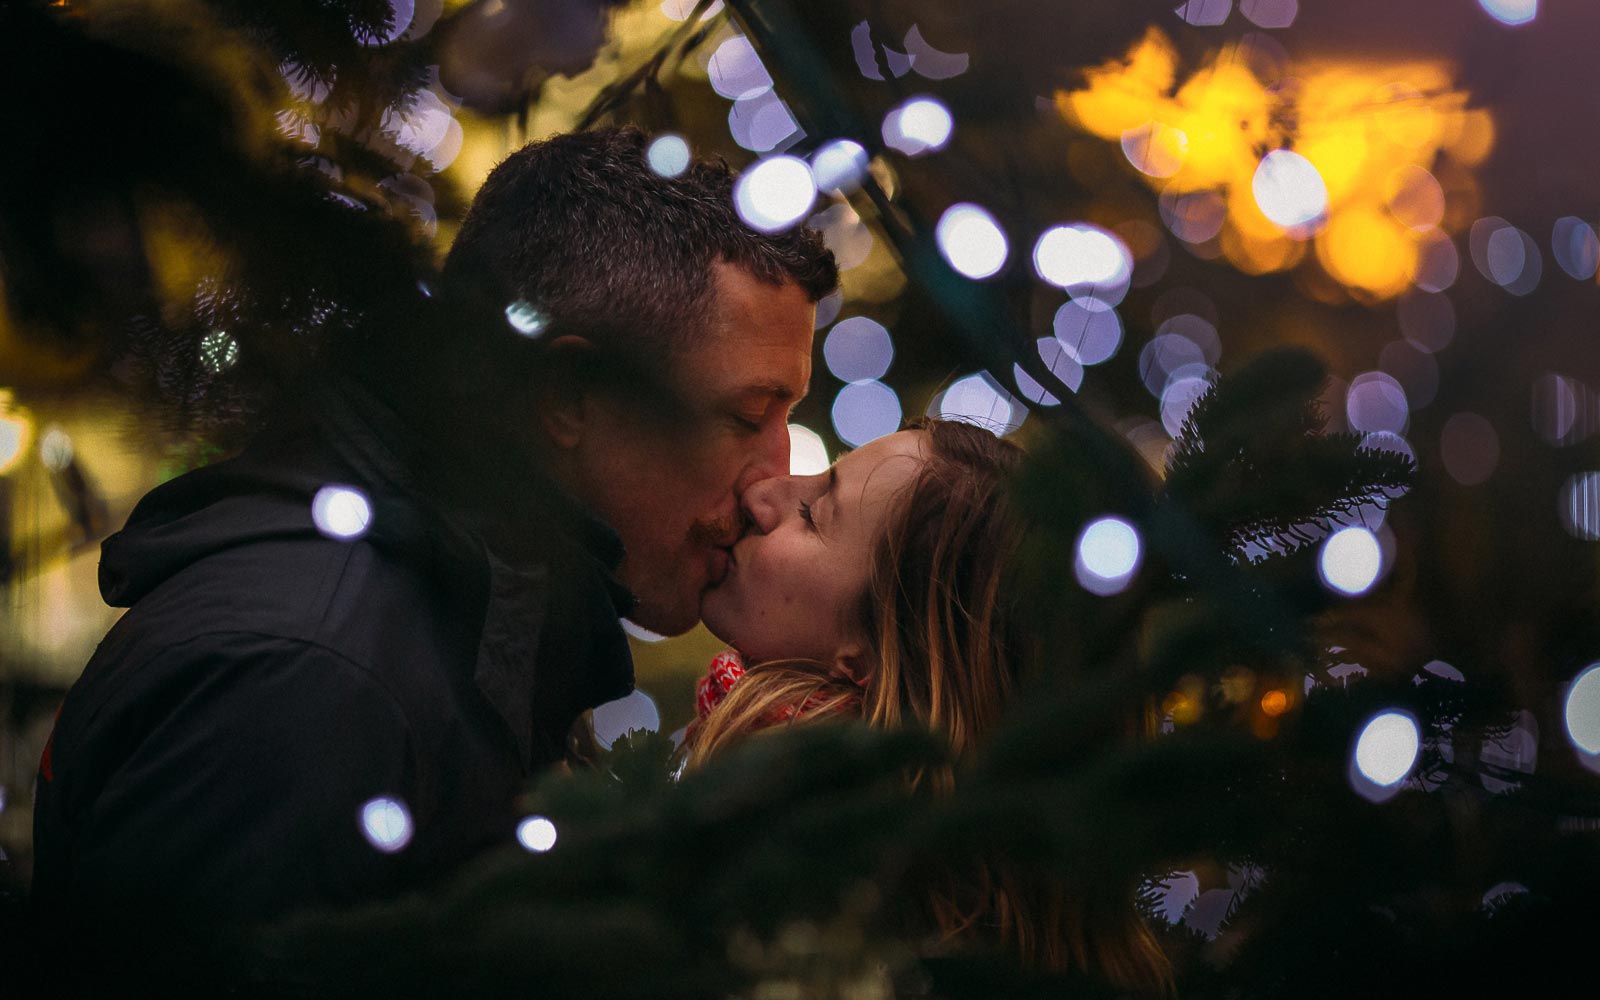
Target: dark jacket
[[269, 682]]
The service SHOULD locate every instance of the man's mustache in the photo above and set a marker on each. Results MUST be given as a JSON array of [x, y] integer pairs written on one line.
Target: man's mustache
[[721, 531]]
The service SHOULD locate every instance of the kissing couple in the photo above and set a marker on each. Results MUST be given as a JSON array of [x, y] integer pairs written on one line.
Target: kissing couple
[[349, 647]]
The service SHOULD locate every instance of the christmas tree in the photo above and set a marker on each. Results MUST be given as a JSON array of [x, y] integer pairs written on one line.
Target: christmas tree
[[218, 196]]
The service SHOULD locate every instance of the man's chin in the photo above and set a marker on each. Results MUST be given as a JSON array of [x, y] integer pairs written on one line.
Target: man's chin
[[665, 622]]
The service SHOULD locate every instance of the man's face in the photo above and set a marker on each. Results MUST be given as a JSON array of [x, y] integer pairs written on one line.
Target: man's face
[[671, 487]]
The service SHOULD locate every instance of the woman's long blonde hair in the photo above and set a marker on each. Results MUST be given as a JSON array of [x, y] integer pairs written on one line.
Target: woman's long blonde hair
[[944, 652]]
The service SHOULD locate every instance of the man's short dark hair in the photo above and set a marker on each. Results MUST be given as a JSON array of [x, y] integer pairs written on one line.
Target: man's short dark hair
[[581, 228]]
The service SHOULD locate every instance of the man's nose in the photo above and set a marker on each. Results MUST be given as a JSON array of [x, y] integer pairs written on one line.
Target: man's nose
[[769, 458]]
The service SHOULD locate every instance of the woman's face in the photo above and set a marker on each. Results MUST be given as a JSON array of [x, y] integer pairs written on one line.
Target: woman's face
[[798, 574]]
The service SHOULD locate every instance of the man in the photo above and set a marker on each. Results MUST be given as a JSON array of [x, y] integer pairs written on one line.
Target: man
[[350, 647]]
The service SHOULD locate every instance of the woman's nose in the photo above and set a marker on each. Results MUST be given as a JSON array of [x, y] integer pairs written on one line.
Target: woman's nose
[[763, 501]]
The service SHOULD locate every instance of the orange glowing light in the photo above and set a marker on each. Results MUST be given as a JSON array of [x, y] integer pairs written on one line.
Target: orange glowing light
[[1368, 251], [1275, 702], [1182, 709]]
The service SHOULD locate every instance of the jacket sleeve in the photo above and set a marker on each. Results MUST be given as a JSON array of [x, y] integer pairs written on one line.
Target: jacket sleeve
[[248, 776]]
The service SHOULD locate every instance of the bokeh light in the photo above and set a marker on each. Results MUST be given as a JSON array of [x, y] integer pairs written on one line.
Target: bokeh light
[[668, 155], [400, 14], [775, 194], [1205, 13], [1376, 401], [1439, 668], [1084, 260], [1391, 442], [635, 711], [218, 351], [1178, 398], [971, 241], [1351, 561], [1289, 190], [977, 399], [1505, 255], [839, 166], [1427, 320], [736, 72], [1438, 263], [1414, 197], [858, 348], [920, 125], [1580, 506], [762, 123], [536, 834], [1385, 752], [1559, 402], [386, 823], [526, 318], [828, 308], [341, 512], [1270, 13], [422, 126], [865, 411], [637, 631], [1512, 12], [55, 449], [1513, 749], [16, 433], [844, 232], [1195, 216], [1575, 247], [1351, 149], [1469, 448], [808, 455], [1197, 330], [1059, 363], [1500, 893], [1582, 711], [1089, 330], [1108, 555], [1168, 357], [1155, 149]]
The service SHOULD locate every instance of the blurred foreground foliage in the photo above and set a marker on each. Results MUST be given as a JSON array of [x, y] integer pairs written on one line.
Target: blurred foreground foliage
[[785, 868], [182, 207]]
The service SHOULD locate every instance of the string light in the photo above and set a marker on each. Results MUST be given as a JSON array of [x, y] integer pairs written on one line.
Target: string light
[[341, 512], [386, 823], [971, 241]]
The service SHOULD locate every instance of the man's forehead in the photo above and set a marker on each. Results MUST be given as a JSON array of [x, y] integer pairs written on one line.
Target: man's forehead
[[765, 350]]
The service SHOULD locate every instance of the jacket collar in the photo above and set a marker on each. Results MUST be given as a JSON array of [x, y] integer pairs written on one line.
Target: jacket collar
[[552, 644]]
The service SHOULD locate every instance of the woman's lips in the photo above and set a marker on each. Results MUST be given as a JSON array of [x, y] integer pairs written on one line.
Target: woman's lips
[[721, 562]]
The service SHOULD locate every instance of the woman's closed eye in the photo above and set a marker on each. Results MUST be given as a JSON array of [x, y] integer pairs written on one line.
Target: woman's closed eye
[[805, 515]]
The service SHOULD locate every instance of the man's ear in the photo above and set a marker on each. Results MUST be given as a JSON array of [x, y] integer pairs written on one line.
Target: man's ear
[[561, 391]]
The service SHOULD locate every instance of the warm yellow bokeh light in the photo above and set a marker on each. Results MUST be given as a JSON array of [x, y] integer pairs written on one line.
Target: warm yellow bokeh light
[[1126, 94], [1366, 250], [1390, 142]]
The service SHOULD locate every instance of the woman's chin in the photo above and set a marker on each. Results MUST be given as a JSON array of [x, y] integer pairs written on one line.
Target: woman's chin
[[714, 616]]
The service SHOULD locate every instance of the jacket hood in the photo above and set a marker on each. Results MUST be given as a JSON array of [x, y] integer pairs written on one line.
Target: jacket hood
[[240, 501]]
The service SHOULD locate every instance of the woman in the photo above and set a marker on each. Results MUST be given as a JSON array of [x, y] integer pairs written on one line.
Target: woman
[[878, 590]]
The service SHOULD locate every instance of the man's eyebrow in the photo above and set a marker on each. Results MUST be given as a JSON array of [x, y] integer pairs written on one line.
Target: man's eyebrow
[[776, 390]]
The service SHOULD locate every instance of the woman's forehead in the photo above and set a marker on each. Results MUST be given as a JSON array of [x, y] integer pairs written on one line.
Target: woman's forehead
[[883, 464]]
